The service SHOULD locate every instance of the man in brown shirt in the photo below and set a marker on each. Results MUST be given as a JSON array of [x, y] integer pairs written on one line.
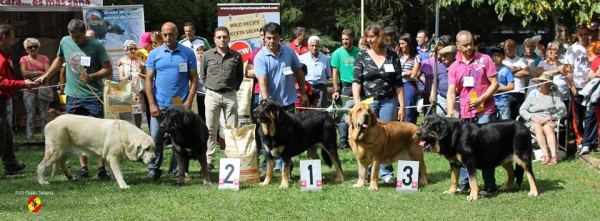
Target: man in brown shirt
[[222, 72]]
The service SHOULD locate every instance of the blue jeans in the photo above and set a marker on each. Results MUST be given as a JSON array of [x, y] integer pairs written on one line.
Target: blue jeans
[[503, 110], [385, 110], [489, 178], [90, 107], [411, 97], [590, 131], [157, 135]]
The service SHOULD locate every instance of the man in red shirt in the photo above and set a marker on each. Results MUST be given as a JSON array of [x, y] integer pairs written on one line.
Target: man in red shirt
[[595, 73], [299, 43], [7, 86]]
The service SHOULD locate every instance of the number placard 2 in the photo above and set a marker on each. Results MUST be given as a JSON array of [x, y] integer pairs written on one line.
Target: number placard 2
[[408, 176], [229, 173], [310, 175]]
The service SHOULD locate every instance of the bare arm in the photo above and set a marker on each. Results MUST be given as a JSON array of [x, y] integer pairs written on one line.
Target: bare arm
[[154, 111], [29, 74], [122, 76], [262, 85], [356, 87], [193, 74], [56, 64], [250, 71], [508, 87], [522, 73], [415, 70], [450, 100], [336, 87]]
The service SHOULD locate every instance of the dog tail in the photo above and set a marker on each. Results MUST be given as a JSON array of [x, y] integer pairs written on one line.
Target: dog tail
[[326, 157]]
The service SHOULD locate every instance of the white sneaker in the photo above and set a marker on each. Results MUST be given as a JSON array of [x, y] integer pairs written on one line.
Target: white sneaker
[[389, 180], [584, 150]]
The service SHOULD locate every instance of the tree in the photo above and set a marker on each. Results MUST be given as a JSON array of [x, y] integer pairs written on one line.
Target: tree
[[528, 10]]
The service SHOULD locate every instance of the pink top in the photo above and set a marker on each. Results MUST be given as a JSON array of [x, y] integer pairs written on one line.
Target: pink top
[[256, 89], [481, 67], [33, 65]]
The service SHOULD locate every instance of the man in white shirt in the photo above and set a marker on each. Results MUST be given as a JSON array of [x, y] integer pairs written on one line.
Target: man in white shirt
[[576, 57], [520, 71], [319, 69], [192, 41]]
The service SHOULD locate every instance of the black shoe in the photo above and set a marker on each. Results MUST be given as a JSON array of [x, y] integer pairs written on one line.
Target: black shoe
[[263, 174], [14, 170], [154, 175], [463, 187], [343, 144], [211, 166], [83, 173], [103, 175], [488, 191]]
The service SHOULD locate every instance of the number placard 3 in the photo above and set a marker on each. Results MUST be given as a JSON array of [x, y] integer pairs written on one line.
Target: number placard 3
[[408, 176], [310, 175], [229, 173]]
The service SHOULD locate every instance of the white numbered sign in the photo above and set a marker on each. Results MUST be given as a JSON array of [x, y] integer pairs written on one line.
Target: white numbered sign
[[229, 173], [310, 175], [85, 61], [408, 176]]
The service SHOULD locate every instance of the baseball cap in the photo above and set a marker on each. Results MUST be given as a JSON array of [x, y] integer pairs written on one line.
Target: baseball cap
[[594, 26], [146, 39], [449, 49], [389, 30]]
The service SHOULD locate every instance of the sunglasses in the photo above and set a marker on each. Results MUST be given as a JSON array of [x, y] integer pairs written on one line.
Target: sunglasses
[[33, 47], [132, 49]]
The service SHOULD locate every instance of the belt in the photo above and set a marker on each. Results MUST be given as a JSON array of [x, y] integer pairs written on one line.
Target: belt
[[344, 84], [223, 90]]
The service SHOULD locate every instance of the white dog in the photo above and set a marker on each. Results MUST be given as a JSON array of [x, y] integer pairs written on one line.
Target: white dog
[[113, 140]]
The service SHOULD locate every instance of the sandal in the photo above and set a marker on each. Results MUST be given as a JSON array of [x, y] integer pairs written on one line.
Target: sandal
[[546, 160], [553, 161]]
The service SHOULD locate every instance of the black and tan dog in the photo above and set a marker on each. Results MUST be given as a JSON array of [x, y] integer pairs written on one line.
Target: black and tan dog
[[481, 146], [376, 142], [189, 135], [287, 135]]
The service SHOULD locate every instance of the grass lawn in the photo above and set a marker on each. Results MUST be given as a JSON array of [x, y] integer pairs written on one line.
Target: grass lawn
[[568, 191]]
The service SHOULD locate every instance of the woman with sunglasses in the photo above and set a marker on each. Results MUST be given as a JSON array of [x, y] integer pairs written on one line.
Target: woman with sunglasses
[[132, 68], [32, 66]]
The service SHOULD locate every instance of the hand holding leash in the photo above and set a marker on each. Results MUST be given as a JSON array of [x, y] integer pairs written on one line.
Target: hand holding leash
[[31, 84], [84, 76]]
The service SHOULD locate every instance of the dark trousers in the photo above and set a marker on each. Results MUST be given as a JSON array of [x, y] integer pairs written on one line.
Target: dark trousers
[[516, 99], [6, 138], [590, 131], [577, 118], [201, 106]]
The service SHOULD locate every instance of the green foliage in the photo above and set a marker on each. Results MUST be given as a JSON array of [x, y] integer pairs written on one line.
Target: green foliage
[[530, 10]]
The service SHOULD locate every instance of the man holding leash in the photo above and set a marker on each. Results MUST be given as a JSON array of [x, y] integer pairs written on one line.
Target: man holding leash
[[171, 78], [87, 64], [474, 77], [7, 86]]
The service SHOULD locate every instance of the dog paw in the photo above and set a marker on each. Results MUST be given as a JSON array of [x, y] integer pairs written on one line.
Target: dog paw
[[532, 194], [339, 180], [357, 185], [179, 184], [471, 198], [450, 192], [505, 188], [44, 183], [284, 186], [207, 183], [124, 187], [264, 183], [372, 188]]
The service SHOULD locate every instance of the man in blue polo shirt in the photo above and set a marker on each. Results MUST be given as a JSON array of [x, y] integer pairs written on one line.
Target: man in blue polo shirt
[[171, 78], [275, 69]]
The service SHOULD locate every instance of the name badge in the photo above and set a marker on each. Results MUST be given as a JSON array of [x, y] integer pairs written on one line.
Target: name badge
[[85, 61], [287, 70], [389, 68], [468, 81], [183, 67]]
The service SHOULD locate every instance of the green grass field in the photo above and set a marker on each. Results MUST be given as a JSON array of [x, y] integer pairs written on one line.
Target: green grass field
[[568, 191]]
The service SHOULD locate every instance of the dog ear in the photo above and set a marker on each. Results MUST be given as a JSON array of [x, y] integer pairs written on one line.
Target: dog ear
[[372, 117], [131, 151]]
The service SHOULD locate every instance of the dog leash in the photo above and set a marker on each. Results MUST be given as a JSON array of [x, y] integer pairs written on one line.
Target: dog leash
[[93, 92]]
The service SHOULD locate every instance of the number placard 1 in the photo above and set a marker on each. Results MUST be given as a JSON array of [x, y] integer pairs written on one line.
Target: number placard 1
[[229, 173], [408, 176], [310, 175]]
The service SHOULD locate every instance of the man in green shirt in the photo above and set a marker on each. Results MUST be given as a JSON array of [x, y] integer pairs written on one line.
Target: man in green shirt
[[87, 63], [342, 62]]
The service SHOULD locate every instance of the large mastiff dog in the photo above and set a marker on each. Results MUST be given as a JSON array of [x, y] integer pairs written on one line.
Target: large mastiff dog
[[287, 135], [376, 142], [481, 146], [113, 140], [189, 135]]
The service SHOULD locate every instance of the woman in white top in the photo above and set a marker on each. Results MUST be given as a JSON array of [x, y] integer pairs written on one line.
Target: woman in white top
[[132, 68], [410, 61]]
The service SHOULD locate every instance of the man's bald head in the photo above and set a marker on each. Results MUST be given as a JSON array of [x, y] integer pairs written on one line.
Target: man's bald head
[[169, 33], [464, 34], [464, 41]]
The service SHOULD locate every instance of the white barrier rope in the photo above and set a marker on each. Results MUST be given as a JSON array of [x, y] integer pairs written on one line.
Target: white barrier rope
[[51, 86]]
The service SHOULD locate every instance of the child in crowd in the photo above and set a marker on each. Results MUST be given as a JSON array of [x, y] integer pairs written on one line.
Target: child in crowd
[[506, 82]]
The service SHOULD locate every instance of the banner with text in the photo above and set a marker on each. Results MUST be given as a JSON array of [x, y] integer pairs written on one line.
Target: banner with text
[[47, 5], [113, 25]]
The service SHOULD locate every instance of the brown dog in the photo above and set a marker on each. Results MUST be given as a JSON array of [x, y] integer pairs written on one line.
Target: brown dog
[[375, 142]]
